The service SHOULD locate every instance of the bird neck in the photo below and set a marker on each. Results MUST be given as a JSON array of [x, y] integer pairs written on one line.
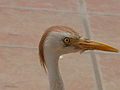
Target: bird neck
[[55, 79]]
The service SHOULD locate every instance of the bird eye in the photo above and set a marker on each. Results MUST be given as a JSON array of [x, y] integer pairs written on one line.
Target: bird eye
[[66, 40]]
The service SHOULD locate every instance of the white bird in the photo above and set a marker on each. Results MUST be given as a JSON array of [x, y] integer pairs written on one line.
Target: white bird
[[59, 40]]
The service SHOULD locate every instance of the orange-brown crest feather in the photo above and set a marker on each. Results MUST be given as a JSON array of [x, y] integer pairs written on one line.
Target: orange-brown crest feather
[[41, 44]]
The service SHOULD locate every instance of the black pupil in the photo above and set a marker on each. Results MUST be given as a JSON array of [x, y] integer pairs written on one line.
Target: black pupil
[[67, 39]]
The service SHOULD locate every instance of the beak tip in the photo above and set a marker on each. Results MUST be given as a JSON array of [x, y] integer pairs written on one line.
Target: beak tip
[[117, 51]]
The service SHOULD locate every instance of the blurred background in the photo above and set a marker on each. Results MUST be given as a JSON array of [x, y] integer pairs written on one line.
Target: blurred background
[[22, 23]]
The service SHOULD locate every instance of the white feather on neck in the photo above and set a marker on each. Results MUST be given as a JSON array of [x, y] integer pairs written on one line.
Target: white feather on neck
[[55, 79], [52, 47]]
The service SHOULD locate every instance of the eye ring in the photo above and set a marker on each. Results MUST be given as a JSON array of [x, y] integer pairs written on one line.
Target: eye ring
[[66, 40]]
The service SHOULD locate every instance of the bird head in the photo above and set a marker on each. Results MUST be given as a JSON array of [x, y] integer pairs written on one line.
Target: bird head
[[63, 40]]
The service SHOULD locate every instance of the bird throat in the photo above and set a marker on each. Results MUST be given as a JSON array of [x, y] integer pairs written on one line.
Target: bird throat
[[55, 79]]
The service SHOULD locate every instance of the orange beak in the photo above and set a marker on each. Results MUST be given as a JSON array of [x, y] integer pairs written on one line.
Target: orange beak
[[94, 45]]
